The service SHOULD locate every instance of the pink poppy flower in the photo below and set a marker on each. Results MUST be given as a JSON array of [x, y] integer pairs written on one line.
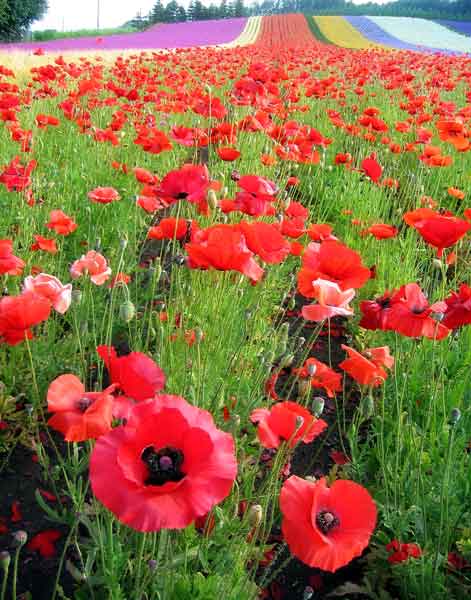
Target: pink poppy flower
[[51, 288], [94, 264]]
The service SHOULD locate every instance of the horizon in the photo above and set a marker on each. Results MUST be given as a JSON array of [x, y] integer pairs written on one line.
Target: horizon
[[67, 16]]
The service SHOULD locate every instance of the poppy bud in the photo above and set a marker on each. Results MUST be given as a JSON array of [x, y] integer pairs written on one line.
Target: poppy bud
[[98, 244], [284, 330], [152, 564], [76, 296], [20, 538], [255, 515], [127, 311], [76, 574], [212, 199], [292, 303], [199, 335], [270, 357], [318, 406], [123, 242], [301, 342], [308, 593], [284, 204], [225, 192], [286, 360], [235, 175], [304, 387], [455, 416], [437, 263], [5, 559], [235, 421], [367, 406]]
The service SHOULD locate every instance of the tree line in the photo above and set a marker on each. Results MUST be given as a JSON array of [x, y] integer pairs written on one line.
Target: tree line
[[459, 10]]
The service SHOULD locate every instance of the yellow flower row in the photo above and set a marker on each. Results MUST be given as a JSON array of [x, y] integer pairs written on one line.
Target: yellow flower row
[[341, 33]]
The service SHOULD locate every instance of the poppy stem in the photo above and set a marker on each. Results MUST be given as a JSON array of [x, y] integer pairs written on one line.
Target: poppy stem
[[272, 571]]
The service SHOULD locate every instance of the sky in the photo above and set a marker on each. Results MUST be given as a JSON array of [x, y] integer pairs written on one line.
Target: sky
[[82, 14]]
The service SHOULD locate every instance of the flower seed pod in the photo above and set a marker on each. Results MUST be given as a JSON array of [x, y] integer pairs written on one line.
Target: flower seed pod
[[127, 311], [318, 406], [255, 515]]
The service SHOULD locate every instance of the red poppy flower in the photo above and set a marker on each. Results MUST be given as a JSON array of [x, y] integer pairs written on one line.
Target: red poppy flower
[[381, 231], [228, 154], [144, 176], [442, 232], [319, 232], [409, 314], [9, 263], [166, 467], [366, 369], [17, 177], [401, 552], [43, 121], [119, 278], [103, 195], [44, 244], [371, 167], [458, 311], [265, 240], [61, 223], [333, 261], [190, 183], [43, 542], [222, 247], [326, 527], [375, 312], [286, 421], [78, 415], [19, 313], [136, 374], [321, 376], [169, 228], [16, 515]]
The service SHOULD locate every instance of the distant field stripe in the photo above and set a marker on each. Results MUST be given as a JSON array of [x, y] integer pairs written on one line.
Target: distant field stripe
[[341, 33], [315, 30], [463, 27], [425, 33], [249, 34]]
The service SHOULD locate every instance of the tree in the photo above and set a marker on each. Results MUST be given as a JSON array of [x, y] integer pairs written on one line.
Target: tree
[[16, 16], [157, 14], [171, 12], [239, 8]]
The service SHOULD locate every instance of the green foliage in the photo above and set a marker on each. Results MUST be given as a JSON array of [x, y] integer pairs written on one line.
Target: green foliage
[[16, 16]]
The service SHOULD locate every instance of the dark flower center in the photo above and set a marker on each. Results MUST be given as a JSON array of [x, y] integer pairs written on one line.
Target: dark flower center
[[417, 310], [163, 465], [326, 521], [182, 195], [84, 403], [384, 302]]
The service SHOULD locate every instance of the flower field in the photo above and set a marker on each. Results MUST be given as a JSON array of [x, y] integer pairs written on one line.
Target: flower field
[[235, 315]]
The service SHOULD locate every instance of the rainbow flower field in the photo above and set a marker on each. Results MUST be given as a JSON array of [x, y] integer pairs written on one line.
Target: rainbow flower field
[[235, 316]]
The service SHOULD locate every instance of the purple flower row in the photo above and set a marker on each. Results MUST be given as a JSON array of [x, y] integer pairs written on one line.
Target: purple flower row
[[169, 35], [463, 27]]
